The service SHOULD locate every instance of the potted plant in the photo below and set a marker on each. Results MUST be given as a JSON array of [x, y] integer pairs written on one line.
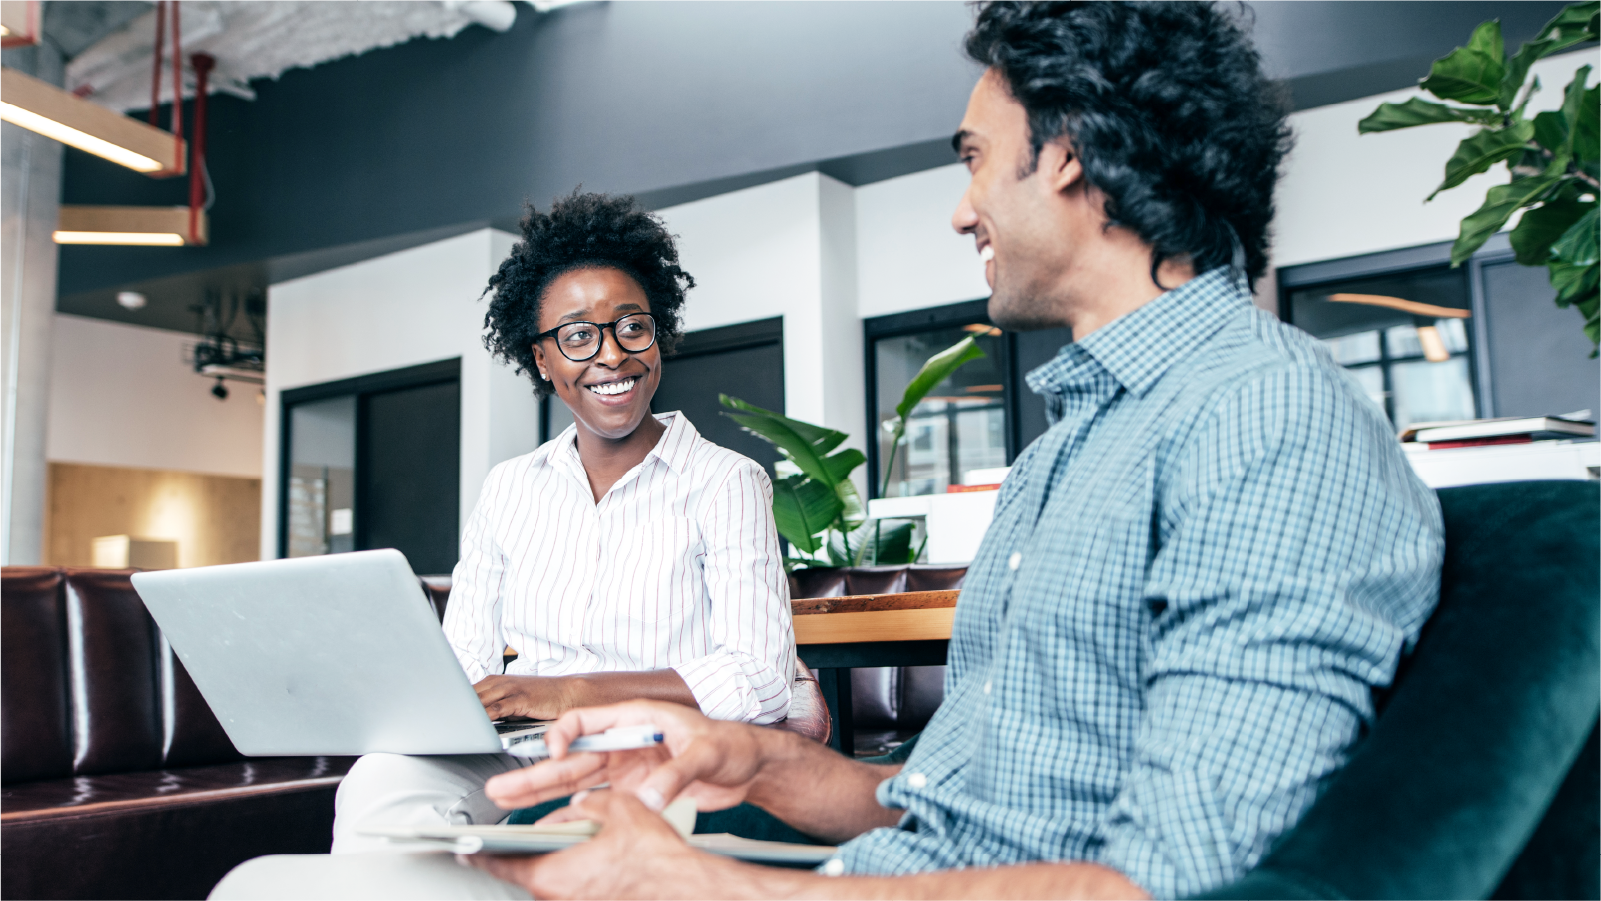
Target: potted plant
[[818, 509], [1553, 155]]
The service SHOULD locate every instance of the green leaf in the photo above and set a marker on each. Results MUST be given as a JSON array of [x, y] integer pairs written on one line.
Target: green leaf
[[802, 509], [1587, 128], [842, 464], [938, 368], [890, 545], [1551, 130], [1573, 283], [1417, 111], [1573, 25], [1500, 203], [1518, 69], [1580, 245], [1541, 227], [1484, 149], [1573, 97], [852, 511], [1471, 74], [823, 438], [800, 442]]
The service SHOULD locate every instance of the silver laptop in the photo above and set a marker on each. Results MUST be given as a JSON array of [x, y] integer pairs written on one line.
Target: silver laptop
[[340, 654]]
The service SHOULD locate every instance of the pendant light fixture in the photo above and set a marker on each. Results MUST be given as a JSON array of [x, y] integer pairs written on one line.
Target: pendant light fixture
[[44, 108], [19, 23]]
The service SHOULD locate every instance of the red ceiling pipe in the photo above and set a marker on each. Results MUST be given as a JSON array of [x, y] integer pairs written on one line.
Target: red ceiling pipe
[[202, 63]]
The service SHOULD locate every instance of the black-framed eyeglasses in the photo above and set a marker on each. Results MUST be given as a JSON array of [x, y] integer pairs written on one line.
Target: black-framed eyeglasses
[[580, 341]]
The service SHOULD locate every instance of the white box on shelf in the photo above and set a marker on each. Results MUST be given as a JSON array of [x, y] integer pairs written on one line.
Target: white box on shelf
[[955, 522], [1505, 462]]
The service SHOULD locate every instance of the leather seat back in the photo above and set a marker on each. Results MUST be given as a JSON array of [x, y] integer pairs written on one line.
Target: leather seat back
[[89, 687]]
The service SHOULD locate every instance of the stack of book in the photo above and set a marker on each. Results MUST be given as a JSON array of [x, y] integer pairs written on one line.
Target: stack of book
[[1488, 432]]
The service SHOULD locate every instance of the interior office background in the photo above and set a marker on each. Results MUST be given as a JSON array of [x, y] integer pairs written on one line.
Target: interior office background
[[799, 150]]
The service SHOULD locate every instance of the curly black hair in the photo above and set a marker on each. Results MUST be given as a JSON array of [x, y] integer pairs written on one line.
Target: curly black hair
[[582, 231], [1165, 105]]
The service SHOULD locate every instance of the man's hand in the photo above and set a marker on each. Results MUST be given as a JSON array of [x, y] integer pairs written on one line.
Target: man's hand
[[537, 697], [712, 761], [636, 854]]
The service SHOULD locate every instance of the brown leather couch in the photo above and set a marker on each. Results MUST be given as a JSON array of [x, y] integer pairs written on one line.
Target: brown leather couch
[[888, 704], [118, 781]]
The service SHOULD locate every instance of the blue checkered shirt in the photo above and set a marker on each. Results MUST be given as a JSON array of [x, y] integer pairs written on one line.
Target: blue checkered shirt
[[1168, 639]]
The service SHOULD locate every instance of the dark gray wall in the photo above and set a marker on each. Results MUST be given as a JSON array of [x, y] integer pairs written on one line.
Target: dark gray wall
[[1540, 361], [672, 101]]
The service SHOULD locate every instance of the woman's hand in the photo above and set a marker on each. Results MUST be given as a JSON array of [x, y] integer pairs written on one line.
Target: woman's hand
[[713, 761], [536, 697]]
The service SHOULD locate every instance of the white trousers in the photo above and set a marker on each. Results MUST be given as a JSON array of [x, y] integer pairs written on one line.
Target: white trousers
[[305, 877], [397, 790]]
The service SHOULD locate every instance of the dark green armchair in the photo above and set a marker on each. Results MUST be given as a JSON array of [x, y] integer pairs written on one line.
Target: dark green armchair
[[1480, 778]]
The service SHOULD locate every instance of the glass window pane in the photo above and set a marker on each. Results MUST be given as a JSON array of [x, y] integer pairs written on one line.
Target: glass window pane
[[1429, 392], [1454, 332], [1371, 378], [322, 484], [959, 426], [1362, 347], [1402, 341]]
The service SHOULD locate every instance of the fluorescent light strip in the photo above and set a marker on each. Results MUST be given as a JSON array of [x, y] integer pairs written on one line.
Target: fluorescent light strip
[[149, 239], [50, 128]]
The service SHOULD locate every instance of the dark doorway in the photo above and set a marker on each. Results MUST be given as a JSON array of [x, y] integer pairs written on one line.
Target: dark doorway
[[374, 462], [408, 473], [745, 361]]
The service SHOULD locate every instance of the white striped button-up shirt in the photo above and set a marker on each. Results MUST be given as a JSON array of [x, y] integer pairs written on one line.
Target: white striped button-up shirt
[[678, 566]]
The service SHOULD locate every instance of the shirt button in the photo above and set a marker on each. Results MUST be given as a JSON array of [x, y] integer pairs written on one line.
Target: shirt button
[[834, 867], [917, 780], [987, 687], [1015, 560]]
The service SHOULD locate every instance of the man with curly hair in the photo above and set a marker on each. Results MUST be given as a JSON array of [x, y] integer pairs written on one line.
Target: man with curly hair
[[626, 558], [1193, 581], [1168, 640]]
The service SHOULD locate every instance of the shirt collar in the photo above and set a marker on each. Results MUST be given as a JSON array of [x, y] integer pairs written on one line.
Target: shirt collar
[[674, 448], [1138, 347]]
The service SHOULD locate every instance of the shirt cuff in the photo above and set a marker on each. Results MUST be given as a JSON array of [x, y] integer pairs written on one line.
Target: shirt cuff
[[726, 691]]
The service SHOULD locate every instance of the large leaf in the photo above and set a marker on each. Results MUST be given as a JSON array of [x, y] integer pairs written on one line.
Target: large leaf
[[892, 545], [802, 509], [823, 438], [801, 443], [1541, 227], [938, 368], [1517, 69], [1417, 111], [1484, 149], [1586, 140], [1581, 244], [1573, 25], [1573, 283], [842, 464], [1573, 112], [1551, 130], [1471, 74], [1500, 203]]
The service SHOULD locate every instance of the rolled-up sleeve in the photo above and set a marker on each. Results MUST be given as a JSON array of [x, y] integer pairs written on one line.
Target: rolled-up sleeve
[[472, 618], [1298, 559], [751, 663]]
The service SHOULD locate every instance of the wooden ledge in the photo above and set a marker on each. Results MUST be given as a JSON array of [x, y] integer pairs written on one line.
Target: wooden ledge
[[862, 603]]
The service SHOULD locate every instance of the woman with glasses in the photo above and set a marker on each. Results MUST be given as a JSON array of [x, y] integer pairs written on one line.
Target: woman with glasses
[[626, 558]]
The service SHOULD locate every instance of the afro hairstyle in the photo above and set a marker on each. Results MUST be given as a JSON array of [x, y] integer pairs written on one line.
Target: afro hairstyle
[[581, 231]]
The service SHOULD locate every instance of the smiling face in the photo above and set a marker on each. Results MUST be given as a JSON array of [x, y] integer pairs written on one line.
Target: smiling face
[[1022, 221], [609, 393]]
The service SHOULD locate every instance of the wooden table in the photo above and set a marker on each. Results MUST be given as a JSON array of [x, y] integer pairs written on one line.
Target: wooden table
[[834, 635]]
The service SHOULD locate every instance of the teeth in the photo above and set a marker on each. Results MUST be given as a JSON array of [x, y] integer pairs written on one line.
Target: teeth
[[987, 254], [613, 387]]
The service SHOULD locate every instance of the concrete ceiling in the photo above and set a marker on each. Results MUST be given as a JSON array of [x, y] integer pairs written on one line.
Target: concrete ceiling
[[253, 39]]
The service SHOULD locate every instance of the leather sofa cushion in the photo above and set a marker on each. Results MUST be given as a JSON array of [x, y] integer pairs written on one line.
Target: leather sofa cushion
[[162, 834], [35, 730], [114, 659]]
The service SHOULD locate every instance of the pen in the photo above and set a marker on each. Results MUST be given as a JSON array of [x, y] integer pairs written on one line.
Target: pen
[[622, 738]]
